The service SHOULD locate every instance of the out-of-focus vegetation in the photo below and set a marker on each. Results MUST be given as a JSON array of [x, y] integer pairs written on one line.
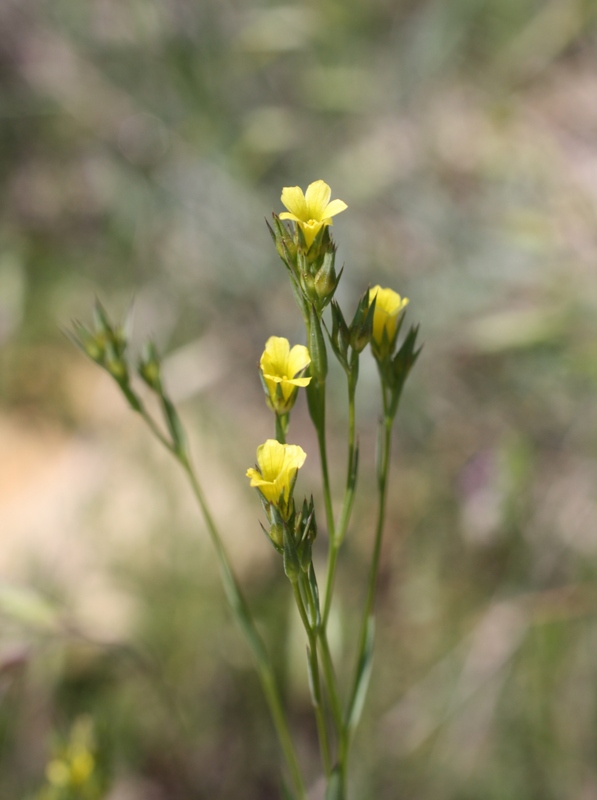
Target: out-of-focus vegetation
[[141, 145]]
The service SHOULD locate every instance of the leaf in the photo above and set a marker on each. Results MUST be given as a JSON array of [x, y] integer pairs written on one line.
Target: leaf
[[315, 594], [334, 789], [311, 679], [174, 425], [362, 679]]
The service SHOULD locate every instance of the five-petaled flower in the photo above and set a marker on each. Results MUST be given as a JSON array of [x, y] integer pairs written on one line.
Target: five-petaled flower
[[311, 210], [277, 465], [388, 305], [282, 369]]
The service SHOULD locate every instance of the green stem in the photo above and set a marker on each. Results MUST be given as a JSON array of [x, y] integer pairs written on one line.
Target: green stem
[[334, 549], [281, 427], [382, 484], [156, 431], [322, 731], [347, 504], [341, 728], [242, 614], [323, 456]]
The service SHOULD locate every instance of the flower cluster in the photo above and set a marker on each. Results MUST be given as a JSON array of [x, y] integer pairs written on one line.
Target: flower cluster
[[309, 256], [308, 252]]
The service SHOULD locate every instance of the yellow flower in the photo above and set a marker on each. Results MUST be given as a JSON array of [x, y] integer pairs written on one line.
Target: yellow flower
[[81, 767], [282, 367], [388, 305], [311, 210], [58, 773], [277, 467]]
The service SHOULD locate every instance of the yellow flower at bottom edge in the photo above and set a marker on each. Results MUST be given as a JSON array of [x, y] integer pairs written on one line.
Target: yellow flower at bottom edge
[[277, 467], [282, 366], [311, 210], [388, 305]]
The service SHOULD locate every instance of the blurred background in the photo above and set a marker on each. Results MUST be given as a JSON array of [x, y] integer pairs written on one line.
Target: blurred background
[[142, 143]]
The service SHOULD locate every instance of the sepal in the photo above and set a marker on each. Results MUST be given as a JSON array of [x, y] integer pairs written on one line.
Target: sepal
[[402, 364]]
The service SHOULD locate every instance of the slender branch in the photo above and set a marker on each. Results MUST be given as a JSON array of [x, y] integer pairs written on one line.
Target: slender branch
[[347, 504], [382, 482], [242, 614], [323, 456], [322, 731], [281, 428]]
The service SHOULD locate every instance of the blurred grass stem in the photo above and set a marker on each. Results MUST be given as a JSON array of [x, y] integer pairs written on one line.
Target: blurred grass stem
[[241, 613]]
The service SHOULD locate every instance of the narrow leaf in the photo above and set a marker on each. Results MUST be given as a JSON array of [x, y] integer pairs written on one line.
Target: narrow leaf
[[334, 787], [311, 679], [362, 679]]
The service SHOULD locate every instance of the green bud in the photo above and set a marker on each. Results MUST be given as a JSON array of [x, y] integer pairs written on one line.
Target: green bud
[[326, 280], [276, 534], [401, 365], [361, 326], [284, 242], [308, 286], [292, 566], [115, 365], [149, 367], [305, 534], [340, 336], [95, 350]]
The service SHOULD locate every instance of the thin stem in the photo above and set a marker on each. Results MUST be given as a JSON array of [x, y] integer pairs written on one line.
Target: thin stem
[[322, 731], [242, 614], [382, 483], [331, 683], [323, 455], [281, 427], [156, 431], [347, 504]]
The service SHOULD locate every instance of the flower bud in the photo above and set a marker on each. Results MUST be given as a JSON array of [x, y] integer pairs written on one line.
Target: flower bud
[[388, 305]]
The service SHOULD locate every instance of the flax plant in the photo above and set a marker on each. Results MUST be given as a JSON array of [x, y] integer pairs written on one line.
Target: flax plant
[[291, 525]]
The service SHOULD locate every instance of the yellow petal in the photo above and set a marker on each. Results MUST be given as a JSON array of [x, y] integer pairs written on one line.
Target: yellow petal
[[274, 359], [294, 458], [286, 215], [317, 198], [270, 458], [298, 360], [294, 200], [278, 464], [387, 299], [269, 489], [299, 381], [310, 230], [333, 208], [388, 305]]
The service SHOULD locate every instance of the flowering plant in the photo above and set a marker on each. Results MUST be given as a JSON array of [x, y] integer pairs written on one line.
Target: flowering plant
[[308, 253]]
